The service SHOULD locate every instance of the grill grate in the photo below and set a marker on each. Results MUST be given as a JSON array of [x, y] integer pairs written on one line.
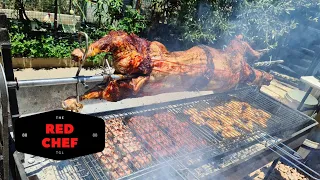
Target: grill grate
[[177, 162]]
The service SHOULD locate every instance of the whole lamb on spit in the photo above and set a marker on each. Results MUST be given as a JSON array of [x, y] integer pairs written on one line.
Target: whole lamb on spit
[[160, 71]]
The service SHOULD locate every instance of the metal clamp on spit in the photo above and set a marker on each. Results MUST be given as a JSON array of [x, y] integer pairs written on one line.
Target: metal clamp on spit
[[108, 70], [81, 63]]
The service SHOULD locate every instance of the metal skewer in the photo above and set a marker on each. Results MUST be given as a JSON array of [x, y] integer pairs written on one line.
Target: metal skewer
[[84, 53], [81, 63], [267, 63]]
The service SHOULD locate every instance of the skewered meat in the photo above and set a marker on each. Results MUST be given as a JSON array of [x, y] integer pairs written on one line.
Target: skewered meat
[[178, 131], [157, 141], [130, 147], [160, 71], [214, 125], [122, 150], [164, 134], [223, 118], [195, 116], [248, 113], [229, 132], [110, 159]]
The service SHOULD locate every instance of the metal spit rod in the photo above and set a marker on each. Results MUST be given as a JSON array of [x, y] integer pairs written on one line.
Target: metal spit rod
[[62, 81], [81, 63]]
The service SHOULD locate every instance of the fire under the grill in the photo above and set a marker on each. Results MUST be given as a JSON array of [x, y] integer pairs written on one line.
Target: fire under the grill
[[195, 138]]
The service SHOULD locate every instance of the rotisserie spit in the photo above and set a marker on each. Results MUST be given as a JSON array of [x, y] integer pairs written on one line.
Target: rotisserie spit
[[160, 71]]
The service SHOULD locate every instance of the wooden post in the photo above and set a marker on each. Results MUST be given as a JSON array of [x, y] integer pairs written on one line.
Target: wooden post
[[85, 10], [55, 17], [138, 5], [70, 5]]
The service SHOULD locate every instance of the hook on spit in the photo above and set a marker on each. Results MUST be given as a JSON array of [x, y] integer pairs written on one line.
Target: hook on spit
[[82, 62], [84, 53]]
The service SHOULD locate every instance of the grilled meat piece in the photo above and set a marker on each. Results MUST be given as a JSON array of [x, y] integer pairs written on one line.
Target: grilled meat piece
[[215, 125], [178, 131], [112, 162], [121, 150], [248, 113], [195, 116], [130, 147], [224, 118], [229, 132], [156, 139], [161, 71]]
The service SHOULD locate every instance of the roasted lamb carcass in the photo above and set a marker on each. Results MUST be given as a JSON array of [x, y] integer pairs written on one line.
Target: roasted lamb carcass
[[160, 71]]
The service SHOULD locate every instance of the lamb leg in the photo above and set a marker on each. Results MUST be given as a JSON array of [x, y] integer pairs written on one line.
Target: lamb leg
[[112, 90]]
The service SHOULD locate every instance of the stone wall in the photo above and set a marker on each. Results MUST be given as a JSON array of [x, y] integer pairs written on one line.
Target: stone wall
[[50, 63]]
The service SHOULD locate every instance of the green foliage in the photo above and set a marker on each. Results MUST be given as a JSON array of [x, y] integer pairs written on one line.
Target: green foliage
[[110, 15], [133, 21], [263, 22], [23, 45], [40, 47], [106, 11], [200, 21]]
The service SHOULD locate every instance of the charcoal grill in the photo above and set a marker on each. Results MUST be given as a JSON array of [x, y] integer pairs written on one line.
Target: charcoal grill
[[287, 128]]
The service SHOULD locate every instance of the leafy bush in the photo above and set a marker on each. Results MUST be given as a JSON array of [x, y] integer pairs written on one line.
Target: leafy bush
[[267, 22], [109, 14], [40, 47], [106, 11], [263, 22], [133, 21], [201, 21]]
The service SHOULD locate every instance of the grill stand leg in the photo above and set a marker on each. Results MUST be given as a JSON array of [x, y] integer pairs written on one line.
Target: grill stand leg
[[273, 165], [304, 98]]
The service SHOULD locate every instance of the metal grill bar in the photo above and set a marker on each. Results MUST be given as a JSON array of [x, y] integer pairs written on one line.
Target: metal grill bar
[[294, 160], [210, 137], [287, 152], [217, 145], [196, 133]]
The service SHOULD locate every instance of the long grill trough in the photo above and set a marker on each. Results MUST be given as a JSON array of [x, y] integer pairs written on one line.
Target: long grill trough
[[194, 138]]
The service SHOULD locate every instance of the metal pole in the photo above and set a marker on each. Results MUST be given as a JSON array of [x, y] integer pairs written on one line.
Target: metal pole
[[271, 168], [84, 53], [304, 98], [62, 81], [12, 114], [5, 123], [81, 62]]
